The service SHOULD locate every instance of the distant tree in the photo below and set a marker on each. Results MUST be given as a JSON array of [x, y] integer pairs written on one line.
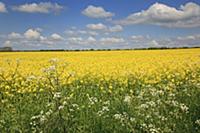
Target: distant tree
[[5, 49]]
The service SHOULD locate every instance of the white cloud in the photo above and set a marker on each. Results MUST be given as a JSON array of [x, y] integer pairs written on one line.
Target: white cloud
[[98, 26], [7, 43], [186, 16], [93, 30], [82, 41], [33, 39], [140, 38], [140, 41], [14, 35], [75, 40], [42, 7], [91, 39], [96, 12], [106, 29], [189, 37], [137, 37], [76, 32], [154, 43], [70, 32], [82, 31], [116, 28], [93, 33], [2, 8], [56, 37], [111, 40], [190, 40], [32, 34]]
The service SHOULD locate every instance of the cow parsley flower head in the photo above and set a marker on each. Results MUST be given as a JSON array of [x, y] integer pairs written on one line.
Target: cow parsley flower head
[[127, 99]]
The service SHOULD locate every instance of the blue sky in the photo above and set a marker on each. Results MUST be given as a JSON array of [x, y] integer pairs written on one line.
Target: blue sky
[[84, 24]]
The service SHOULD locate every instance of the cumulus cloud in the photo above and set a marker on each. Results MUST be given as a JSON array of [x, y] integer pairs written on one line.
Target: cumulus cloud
[[139, 38], [82, 41], [116, 28], [33, 39], [14, 35], [111, 40], [106, 29], [182, 41], [75, 40], [7, 43], [42, 7], [96, 12], [91, 39], [71, 32], [93, 33], [140, 41], [186, 16], [76, 32], [95, 43], [56, 37], [32, 34], [2, 8], [98, 26]]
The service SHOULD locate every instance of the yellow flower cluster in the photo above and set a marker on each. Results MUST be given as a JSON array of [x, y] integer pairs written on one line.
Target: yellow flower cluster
[[147, 64]]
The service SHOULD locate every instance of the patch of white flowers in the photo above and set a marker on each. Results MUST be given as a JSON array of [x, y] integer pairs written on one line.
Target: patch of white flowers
[[50, 69], [197, 122], [57, 95], [92, 100], [103, 111], [127, 99], [54, 60], [184, 108]]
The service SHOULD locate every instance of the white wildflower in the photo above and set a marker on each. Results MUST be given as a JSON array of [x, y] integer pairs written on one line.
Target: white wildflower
[[49, 112], [100, 113], [153, 130], [57, 95], [35, 117], [42, 118], [75, 105], [132, 119], [105, 109], [197, 122], [60, 107], [54, 60], [65, 103], [71, 110], [50, 69], [174, 103], [117, 116], [144, 106], [93, 100], [184, 108], [127, 99], [106, 103], [41, 112], [152, 103]]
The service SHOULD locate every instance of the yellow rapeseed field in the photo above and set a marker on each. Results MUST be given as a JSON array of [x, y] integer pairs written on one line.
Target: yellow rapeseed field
[[105, 63]]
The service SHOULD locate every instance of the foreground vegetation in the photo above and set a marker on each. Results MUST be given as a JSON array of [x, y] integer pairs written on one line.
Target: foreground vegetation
[[142, 97]]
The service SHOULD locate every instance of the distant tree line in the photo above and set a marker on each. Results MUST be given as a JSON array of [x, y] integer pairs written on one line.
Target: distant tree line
[[9, 49], [6, 49]]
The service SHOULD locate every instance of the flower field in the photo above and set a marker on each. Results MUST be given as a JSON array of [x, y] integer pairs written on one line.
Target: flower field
[[137, 91]]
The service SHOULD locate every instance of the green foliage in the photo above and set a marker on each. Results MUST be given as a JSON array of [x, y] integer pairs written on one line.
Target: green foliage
[[90, 104]]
